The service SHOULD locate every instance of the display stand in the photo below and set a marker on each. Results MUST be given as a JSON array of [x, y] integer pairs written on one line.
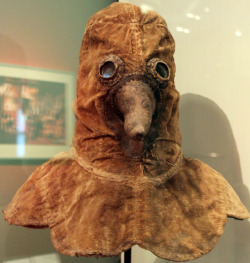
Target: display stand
[[127, 256]]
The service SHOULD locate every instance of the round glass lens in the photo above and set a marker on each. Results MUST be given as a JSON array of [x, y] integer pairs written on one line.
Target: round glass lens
[[162, 70], [107, 70]]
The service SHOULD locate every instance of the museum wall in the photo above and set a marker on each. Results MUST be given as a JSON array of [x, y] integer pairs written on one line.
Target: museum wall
[[43, 35], [212, 76]]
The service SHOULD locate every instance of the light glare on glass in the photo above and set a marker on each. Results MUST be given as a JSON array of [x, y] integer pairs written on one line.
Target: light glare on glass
[[238, 34], [186, 31], [179, 29], [190, 15], [107, 69]]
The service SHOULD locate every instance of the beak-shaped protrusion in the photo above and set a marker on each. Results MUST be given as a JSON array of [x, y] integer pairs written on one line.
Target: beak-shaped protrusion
[[136, 102]]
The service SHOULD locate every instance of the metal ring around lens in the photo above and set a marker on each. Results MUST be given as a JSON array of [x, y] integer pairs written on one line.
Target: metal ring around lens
[[151, 69]]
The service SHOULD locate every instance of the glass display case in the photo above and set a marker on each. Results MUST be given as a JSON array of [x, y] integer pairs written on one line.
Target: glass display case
[[39, 49]]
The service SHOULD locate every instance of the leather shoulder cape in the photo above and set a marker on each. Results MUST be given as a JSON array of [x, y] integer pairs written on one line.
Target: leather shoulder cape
[[92, 215]]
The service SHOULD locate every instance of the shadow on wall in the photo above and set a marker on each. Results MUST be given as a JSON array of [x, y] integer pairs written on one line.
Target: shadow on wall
[[207, 135]]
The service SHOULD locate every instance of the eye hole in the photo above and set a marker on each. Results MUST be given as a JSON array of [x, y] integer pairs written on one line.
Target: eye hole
[[162, 69], [107, 70], [110, 70], [158, 71]]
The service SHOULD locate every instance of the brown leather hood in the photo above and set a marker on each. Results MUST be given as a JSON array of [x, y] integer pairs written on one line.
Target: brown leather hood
[[135, 38]]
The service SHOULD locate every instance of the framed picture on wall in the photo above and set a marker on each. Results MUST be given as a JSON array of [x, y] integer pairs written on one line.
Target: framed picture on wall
[[36, 117]]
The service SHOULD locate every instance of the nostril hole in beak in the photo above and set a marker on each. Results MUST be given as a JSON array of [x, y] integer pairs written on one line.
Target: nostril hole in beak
[[137, 133], [139, 136]]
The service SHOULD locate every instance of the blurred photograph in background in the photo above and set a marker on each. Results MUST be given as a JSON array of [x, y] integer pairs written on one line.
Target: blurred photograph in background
[[32, 111]]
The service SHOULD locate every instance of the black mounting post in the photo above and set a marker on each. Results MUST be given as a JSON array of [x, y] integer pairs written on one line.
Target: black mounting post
[[127, 256]]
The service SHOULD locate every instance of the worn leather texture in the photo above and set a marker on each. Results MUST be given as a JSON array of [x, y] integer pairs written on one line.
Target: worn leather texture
[[104, 195]]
